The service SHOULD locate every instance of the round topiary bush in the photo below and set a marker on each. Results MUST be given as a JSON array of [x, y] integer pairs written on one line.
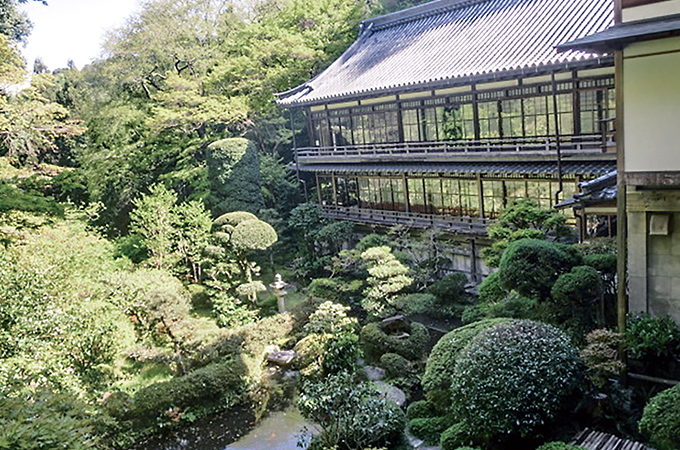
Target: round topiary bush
[[531, 266], [513, 378], [456, 437], [378, 342], [582, 286], [395, 365], [492, 289], [661, 419], [429, 429], [444, 355]]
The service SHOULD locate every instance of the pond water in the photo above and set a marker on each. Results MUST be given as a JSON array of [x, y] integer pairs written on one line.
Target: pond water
[[234, 430], [280, 430]]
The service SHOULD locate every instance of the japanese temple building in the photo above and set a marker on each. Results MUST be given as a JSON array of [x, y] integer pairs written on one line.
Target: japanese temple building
[[442, 114]]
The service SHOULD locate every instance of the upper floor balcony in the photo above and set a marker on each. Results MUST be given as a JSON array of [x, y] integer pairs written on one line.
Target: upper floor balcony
[[593, 144]]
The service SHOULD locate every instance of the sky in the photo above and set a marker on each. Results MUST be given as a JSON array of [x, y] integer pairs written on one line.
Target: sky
[[72, 29]]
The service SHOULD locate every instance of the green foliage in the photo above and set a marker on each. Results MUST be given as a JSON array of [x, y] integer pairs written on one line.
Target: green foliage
[[330, 318], [341, 353], [558, 445], [582, 286], [412, 347], [492, 290], [253, 235], [46, 420], [395, 365], [230, 312], [153, 219], [532, 266], [604, 263], [420, 303], [515, 306], [451, 288], [335, 289], [445, 354], [512, 378], [523, 219], [420, 409], [350, 414], [387, 278], [651, 337], [661, 419], [233, 168], [132, 247], [429, 429], [456, 437], [220, 385]]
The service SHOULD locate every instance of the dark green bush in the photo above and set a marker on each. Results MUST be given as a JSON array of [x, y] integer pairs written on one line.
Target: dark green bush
[[651, 337], [219, 385], [558, 445], [395, 365], [581, 286], [336, 290], [531, 266], [444, 355], [412, 348], [515, 306], [420, 303], [492, 289], [473, 313], [457, 436], [513, 377], [341, 354], [429, 429], [604, 263], [661, 419], [420, 409], [450, 289]]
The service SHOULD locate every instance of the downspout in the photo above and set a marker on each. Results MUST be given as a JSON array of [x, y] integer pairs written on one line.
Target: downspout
[[558, 143]]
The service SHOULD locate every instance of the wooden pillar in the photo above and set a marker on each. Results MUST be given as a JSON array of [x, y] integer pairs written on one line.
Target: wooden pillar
[[480, 195], [473, 260]]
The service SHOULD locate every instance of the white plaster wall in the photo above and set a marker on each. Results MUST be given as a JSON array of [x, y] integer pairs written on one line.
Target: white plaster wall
[[653, 10], [652, 106]]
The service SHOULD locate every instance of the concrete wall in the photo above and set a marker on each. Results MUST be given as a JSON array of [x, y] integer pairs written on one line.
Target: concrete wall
[[654, 261]]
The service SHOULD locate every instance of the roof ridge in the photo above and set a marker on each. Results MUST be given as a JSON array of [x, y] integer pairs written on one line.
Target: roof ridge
[[417, 12]]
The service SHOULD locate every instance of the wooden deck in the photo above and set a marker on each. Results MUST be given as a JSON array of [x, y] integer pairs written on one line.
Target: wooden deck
[[596, 440], [457, 225]]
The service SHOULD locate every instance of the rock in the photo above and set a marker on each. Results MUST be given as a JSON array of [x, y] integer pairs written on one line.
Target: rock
[[391, 393], [281, 358], [374, 373]]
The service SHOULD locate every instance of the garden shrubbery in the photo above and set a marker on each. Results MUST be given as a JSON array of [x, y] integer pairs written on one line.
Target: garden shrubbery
[[513, 378], [219, 385], [378, 342], [661, 419]]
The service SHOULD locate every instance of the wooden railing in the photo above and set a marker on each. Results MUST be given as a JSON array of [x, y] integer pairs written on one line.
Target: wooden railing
[[594, 143], [464, 225]]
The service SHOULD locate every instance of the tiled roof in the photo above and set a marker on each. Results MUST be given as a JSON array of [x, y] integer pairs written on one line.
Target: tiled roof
[[600, 190], [586, 168], [619, 36], [446, 40]]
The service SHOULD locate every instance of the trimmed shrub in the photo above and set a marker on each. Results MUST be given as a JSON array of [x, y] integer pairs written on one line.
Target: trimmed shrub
[[514, 306], [420, 409], [429, 429], [341, 354], [419, 303], [513, 378], [444, 355], [473, 313], [661, 419], [412, 348], [217, 385], [531, 266], [330, 318], [395, 365], [457, 436], [450, 289], [651, 337], [492, 289], [604, 263], [582, 286], [559, 445]]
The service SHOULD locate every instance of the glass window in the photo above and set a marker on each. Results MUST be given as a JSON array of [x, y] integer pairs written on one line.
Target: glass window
[[469, 198], [515, 190], [596, 106], [411, 122], [494, 198], [488, 120], [536, 116], [325, 186], [398, 194], [511, 115], [416, 195], [457, 122], [433, 191]]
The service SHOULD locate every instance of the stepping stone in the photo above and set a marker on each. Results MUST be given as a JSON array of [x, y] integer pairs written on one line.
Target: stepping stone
[[281, 358], [391, 392]]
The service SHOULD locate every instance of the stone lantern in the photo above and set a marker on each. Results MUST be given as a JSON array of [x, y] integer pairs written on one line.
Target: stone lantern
[[278, 285]]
